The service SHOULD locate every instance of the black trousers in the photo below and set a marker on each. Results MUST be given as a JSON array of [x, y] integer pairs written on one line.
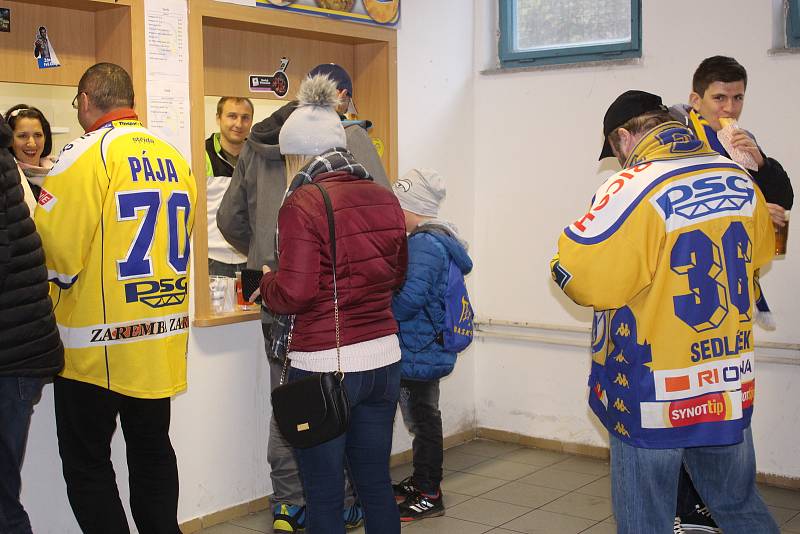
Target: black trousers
[[86, 418], [419, 404], [687, 495]]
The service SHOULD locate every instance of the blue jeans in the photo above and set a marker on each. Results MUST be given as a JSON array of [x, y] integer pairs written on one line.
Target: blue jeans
[[644, 487], [17, 397], [419, 404], [365, 446]]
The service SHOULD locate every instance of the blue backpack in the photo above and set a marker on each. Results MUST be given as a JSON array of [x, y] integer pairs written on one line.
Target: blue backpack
[[456, 333]]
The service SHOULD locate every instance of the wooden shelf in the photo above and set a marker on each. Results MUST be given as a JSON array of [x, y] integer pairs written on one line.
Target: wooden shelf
[[227, 318], [83, 32], [229, 42]]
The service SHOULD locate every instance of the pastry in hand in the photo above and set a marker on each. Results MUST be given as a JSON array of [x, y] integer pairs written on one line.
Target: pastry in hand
[[725, 136]]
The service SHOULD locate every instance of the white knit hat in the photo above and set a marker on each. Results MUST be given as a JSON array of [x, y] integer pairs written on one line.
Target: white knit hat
[[314, 127], [421, 191]]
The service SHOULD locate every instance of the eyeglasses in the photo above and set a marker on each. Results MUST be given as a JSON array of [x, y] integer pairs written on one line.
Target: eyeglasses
[[75, 100]]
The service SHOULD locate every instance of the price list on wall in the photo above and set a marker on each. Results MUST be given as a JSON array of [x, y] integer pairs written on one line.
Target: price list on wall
[[167, 49]]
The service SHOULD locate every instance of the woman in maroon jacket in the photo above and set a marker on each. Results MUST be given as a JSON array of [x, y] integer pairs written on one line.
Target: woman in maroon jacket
[[371, 257]]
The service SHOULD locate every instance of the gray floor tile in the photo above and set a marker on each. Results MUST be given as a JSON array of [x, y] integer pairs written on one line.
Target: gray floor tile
[[487, 512], [551, 477], [452, 498], [542, 522], [259, 522], [586, 506], [598, 488], [227, 528], [497, 468], [501, 531], [780, 497], [484, 447], [539, 457], [581, 464], [524, 494], [459, 461], [601, 528], [793, 525], [469, 484], [782, 515], [446, 525]]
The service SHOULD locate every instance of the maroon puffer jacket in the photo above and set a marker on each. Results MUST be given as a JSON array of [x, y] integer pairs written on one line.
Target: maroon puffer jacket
[[371, 260]]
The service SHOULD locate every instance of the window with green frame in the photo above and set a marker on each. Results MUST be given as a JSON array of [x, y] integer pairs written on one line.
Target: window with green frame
[[547, 32], [793, 24]]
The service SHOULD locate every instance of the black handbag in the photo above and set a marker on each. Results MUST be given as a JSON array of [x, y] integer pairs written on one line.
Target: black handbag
[[315, 409]]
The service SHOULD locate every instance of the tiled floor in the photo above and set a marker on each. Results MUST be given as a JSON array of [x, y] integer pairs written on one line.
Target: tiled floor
[[493, 487]]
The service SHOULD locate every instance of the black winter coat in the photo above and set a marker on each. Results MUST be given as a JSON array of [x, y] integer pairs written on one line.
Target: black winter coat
[[29, 340]]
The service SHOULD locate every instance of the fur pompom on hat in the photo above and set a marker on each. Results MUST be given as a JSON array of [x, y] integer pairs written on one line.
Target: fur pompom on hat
[[314, 127]]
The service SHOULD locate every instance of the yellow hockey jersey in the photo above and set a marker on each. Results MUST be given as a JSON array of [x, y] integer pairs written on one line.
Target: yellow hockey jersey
[[115, 215], [666, 255]]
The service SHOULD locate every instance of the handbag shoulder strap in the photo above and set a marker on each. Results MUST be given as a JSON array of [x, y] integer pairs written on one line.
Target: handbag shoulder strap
[[332, 231], [331, 228]]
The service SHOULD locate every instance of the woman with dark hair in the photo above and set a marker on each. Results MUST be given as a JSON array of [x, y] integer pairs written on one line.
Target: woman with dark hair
[[31, 146]]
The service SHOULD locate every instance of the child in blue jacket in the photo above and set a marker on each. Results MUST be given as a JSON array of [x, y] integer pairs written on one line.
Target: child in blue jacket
[[419, 309]]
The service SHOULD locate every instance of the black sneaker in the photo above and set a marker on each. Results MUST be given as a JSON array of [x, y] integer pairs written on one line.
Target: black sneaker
[[404, 489], [698, 520], [420, 505]]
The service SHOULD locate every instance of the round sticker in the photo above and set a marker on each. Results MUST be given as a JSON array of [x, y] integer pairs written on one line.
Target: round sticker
[[337, 5], [382, 11], [378, 144]]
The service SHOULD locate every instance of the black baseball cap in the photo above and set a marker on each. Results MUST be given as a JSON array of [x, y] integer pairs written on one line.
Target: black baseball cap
[[628, 105], [335, 73]]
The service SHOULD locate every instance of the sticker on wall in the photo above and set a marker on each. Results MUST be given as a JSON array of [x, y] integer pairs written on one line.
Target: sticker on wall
[[5, 19], [381, 12], [378, 144], [277, 82], [43, 50]]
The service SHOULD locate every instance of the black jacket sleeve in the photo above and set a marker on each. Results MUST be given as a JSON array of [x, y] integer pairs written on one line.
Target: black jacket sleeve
[[774, 183]]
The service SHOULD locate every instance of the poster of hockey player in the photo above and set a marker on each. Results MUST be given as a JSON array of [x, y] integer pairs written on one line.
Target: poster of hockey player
[[43, 50]]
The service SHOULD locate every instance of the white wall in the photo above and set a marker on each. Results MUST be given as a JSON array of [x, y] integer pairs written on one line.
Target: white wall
[[520, 154], [219, 426], [538, 135], [435, 102]]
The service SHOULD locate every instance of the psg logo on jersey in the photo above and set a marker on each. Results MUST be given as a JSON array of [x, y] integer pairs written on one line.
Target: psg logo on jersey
[[157, 294]]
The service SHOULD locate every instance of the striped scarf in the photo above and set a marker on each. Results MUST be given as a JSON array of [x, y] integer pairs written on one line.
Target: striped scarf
[[706, 133], [335, 159], [669, 140]]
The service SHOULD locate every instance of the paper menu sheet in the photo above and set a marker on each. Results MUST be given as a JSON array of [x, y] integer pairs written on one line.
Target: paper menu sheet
[[167, 67]]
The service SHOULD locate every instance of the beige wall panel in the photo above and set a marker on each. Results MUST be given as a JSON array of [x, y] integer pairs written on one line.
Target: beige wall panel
[[232, 54]]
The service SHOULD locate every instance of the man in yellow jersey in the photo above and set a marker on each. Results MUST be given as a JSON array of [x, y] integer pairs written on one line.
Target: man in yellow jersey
[[666, 255], [115, 215]]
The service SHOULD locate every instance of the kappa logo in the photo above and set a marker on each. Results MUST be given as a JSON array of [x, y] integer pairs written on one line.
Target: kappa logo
[[620, 358], [621, 430], [622, 380], [705, 196], [619, 404], [624, 330]]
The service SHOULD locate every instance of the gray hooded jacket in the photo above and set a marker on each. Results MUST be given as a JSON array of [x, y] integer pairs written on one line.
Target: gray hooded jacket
[[248, 213]]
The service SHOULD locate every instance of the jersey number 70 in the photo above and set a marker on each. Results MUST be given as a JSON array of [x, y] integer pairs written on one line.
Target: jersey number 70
[[132, 205]]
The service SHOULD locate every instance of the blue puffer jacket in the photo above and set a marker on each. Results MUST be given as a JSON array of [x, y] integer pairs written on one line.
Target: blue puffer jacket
[[419, 306]]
